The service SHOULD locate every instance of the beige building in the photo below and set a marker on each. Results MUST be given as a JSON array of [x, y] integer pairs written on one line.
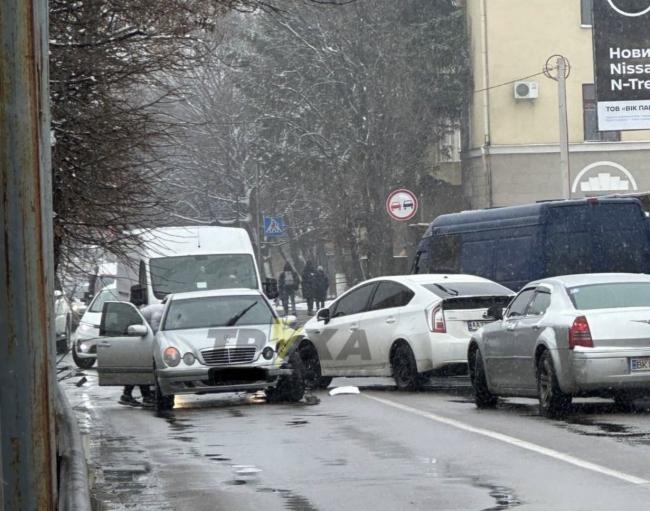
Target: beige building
[[511, 153]]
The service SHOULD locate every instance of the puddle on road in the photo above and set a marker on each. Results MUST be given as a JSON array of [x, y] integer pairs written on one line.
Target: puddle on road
[[293, 501], [188, 439], [504, 497], [521, 409], [217, 458], [463, 401], [236, 482], [586, 426], [178, 425], [297, 422]]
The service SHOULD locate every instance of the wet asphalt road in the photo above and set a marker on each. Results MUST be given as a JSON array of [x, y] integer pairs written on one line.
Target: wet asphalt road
[[379, 450]]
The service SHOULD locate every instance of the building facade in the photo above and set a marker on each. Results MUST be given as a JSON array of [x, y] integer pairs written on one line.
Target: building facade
[[511, 152]]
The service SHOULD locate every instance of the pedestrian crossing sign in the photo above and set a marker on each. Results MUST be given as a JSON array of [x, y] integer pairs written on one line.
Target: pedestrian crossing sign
[[274, 226]]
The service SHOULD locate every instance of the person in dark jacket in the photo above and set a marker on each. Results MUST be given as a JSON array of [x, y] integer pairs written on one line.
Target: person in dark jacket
[[287, 285], [309, 287], [322, 284]]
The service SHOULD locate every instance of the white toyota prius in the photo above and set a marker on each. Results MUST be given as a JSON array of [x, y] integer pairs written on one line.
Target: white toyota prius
[[404, 326]]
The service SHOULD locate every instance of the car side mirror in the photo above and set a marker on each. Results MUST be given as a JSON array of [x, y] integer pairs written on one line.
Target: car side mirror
[[270, 288], [323, 315], [136, 331], [138, 295], [494, 312]]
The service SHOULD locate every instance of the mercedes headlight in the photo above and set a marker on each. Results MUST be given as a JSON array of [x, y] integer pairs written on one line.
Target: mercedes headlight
[[171, 357]]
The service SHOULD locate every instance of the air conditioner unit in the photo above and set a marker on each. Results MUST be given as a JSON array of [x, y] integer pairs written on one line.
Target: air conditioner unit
[[526, 90]]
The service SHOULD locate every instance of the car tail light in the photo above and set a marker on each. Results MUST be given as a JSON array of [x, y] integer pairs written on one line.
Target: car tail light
[[579, 334], [438, 320]]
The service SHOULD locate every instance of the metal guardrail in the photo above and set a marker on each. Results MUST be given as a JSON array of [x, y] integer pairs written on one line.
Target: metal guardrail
[[73, 491]]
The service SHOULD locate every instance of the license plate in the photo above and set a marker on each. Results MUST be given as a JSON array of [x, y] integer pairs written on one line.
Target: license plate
[[640, 364], [473, 326]]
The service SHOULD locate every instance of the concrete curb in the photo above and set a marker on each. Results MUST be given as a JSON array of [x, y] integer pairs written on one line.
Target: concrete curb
[[73, 487]]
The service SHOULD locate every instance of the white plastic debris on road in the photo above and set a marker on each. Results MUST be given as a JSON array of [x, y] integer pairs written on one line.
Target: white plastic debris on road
[[246, 472], [344, 390]]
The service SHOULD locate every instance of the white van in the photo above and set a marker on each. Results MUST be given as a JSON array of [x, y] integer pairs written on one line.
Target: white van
[[174, 260], [183, 259]]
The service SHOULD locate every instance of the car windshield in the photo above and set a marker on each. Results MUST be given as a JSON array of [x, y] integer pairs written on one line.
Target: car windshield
[[450, 289], [202, 272], [106, 295], [217, 311], [610, 296]]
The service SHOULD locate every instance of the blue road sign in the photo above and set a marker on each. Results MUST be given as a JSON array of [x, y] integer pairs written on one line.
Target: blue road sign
[[274, 226]]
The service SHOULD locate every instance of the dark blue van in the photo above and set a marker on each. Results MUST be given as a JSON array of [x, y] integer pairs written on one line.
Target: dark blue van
[[515, 245]]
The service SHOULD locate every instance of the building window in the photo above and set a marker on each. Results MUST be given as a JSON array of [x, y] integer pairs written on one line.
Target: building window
[[590, 116], [586, 11]]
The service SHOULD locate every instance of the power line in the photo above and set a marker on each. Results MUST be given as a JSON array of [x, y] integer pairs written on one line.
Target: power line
[[510, 82]]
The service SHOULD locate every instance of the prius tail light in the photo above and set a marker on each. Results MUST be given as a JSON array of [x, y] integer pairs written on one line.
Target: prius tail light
[[438, 324]]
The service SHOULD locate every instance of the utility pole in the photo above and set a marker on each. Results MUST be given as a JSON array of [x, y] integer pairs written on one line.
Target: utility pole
[[558, 68], [562, 73], [258, 215], [27, 453]]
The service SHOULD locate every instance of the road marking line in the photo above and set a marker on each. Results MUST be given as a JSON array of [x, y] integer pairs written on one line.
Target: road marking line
[[523, 444]]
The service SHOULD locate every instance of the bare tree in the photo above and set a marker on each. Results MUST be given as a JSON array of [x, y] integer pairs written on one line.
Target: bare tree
[[338, 107], [115, 68]]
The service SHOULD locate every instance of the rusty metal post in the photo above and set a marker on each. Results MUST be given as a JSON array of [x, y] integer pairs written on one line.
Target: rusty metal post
[[26, 267]]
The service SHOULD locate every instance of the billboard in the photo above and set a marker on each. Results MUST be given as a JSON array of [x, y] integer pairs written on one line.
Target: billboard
[[622, 63]]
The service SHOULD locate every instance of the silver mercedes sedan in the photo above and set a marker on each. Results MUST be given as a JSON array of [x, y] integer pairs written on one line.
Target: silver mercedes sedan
[[575, 335], [207, 342]]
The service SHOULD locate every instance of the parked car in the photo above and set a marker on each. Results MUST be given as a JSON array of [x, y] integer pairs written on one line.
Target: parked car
[[84, 339], [518, 244], [404, 326], [576, 335], [226, 340]]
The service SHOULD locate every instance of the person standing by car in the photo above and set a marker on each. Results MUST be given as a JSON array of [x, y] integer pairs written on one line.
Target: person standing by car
[[309, 286], [288, 283], [322, 285]]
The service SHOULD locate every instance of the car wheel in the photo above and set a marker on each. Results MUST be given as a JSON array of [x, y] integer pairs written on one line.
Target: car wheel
[[624, 402], [290, 388], [482, 395], [162, 403], [405, 369], [311, 368], [82, 363], [552, 401]]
